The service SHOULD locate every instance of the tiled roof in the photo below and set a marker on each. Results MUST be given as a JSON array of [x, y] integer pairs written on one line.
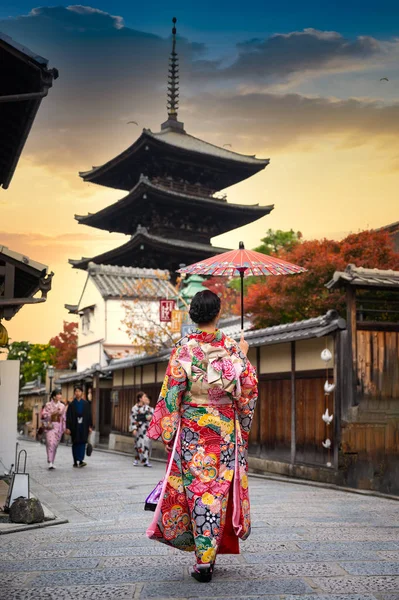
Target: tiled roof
[[131, 282], [232, 326], [33, 388], [361, 277], [193, 144], [299, 330]]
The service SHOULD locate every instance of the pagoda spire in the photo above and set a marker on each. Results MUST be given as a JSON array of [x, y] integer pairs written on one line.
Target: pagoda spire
[[173, 87]]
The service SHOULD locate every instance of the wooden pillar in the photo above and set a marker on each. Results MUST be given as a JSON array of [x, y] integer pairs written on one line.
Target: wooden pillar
[[259, 404], [96, 401], [338, 366], [352, 344], [293, 404]]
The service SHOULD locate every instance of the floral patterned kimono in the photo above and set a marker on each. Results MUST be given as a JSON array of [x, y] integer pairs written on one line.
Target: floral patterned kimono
[[54, 416], [212, 388], [140, 423]]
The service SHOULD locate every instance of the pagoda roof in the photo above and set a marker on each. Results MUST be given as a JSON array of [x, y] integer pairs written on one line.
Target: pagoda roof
[[125, 215], [178, 154], [150, 251]]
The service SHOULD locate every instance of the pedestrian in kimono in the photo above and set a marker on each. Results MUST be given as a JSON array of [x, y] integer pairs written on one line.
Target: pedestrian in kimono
[[140, 418], [53, 416], [208, 395], [79, 425]]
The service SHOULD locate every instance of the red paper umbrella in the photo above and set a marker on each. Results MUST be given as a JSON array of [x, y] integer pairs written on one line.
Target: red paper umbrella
[[242, 263]]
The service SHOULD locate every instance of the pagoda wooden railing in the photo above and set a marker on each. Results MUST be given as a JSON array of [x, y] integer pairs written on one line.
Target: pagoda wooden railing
[[183, 187]]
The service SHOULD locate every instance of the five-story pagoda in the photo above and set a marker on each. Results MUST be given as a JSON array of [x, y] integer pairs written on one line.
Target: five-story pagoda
[[170, 211]]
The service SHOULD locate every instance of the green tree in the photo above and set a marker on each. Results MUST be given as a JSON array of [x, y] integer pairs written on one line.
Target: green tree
[[276, 241], [34, 358], [39, 358]]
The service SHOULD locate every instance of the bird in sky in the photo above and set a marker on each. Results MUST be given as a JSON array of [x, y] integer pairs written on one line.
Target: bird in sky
[[134, 122], [384, 79]]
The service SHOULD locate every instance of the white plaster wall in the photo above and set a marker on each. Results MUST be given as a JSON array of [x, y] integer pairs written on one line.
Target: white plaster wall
[[87, 356], [9, 396], [115, 332], [91, 296]]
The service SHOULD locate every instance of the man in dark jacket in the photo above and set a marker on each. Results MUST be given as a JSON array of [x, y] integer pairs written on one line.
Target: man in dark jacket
[[79, 425]]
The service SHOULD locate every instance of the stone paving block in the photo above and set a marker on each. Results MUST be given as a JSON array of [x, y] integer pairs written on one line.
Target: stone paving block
[[246, 597], [306, 556], [81, 592], [262, 535], [227, 589], [389, 554], [389, 596], [174, 559], [348, 545], [113, 550], [107, 576], [333, 597], [33, 552], [346, 585], [371, 568], [285, 569], [262, 547], [12, 580], [49, 565]]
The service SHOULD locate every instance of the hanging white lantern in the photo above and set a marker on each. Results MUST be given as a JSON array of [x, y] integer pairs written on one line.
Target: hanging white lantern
[[327, 443], [327, 418], [326, 355], [329, 387]]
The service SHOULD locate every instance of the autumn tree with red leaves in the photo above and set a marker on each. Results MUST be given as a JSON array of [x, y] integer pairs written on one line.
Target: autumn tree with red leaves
[[275, 300], [228, 296], [66, 344]]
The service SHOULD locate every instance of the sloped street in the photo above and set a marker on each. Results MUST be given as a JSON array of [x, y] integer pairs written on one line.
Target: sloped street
[[307, 542]]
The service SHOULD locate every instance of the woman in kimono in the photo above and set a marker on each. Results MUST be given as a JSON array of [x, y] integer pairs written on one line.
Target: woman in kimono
[[54, 417], [208, 395], [140, 418]]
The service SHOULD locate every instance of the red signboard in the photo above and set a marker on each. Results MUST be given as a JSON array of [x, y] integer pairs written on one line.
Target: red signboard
[[165, 310]]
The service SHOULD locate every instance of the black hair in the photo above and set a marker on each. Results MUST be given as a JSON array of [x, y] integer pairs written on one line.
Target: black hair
[[204, 307], [139, 396], [78, 387], [55, 393]]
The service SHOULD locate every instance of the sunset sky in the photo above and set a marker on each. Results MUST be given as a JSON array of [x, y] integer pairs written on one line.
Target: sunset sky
[[298, 83]]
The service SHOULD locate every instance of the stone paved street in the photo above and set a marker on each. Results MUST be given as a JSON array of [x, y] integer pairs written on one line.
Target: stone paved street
[[307, 542]]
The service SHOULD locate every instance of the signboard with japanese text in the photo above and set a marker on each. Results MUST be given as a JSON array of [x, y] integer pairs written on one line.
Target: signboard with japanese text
[[165, 310], [177, 320]]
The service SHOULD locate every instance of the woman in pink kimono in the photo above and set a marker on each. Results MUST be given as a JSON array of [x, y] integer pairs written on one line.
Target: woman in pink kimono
[[54, 417], [208, 398]]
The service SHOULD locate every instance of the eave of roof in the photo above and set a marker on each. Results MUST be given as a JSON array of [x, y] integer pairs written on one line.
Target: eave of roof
[[152, 240], [360, 277], [299, 330], [25, 111], [248, 164], [254, 211]]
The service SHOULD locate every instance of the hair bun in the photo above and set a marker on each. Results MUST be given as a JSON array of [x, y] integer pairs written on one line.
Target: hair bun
[[205, 306]]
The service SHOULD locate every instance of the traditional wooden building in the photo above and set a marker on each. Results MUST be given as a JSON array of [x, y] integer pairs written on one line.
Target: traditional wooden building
[[24, 81], [172, 208]]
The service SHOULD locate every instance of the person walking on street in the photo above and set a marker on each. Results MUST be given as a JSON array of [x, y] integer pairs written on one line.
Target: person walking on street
[[203, 416], [53, 415], [79, 425], [140, 418]]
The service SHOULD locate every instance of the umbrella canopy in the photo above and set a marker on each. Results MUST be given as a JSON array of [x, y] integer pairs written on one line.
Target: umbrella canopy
[[241, 263]]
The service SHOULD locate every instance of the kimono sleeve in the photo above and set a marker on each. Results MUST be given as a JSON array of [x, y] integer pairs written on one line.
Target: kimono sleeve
[[166, 415], [245, 404], [46, 412], [133, 419]]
